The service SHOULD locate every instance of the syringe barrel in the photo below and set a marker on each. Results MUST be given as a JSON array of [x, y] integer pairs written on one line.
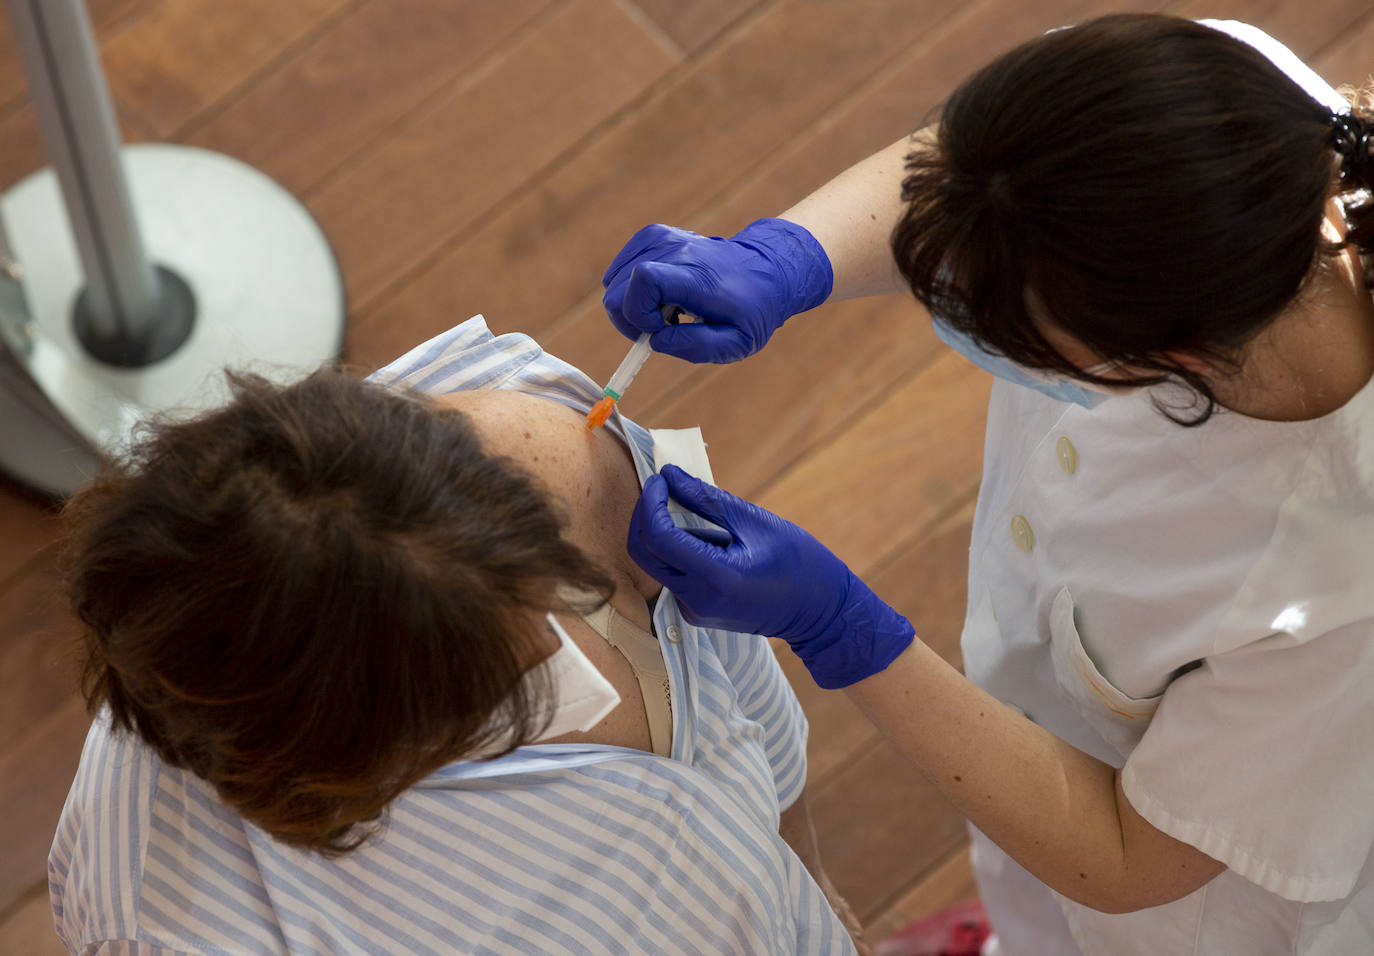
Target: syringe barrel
[[634, 361]]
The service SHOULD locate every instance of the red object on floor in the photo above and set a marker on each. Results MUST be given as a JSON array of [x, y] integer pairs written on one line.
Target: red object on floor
[[957, 931]]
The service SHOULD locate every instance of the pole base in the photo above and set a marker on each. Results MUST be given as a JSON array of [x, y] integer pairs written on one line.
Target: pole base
[[176, 314], [267, 295]]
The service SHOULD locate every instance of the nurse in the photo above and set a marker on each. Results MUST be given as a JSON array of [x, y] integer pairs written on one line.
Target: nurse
[[1152, 232]]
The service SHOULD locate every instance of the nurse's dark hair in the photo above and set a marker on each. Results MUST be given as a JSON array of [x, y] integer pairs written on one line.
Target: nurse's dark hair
[[315, 596], [1149, 185]]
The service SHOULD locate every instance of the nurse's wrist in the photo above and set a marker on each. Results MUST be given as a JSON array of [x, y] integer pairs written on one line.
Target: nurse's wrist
[[804, 271], [859, 640]]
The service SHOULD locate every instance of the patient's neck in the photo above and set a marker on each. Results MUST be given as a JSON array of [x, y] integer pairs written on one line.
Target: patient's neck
[[589, 475]]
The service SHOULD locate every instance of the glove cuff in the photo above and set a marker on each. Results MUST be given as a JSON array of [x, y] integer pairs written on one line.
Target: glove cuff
[[804, 268], [860, 641]]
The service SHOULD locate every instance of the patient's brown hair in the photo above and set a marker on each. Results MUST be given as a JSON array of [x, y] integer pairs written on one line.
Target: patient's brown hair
[[314, 597]]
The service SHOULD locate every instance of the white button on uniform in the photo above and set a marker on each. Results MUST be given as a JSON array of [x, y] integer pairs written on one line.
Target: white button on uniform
[[674, 634], [1021, 533], [1067, 455]]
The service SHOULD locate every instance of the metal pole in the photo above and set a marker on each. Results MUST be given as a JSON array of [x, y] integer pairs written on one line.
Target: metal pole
[[122, 301], [221, 268]]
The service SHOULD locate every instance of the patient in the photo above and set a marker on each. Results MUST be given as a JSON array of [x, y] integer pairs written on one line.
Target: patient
[[355, 651]]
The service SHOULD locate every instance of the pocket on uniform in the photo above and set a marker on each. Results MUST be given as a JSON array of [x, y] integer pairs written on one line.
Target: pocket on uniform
[[1118, 718]]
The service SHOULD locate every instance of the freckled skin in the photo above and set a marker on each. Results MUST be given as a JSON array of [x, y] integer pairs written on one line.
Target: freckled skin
[[591, 479], [589, 474]]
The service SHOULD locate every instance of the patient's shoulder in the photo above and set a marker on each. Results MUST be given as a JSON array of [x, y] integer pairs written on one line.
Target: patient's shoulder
[[589, 474], [592, 481]]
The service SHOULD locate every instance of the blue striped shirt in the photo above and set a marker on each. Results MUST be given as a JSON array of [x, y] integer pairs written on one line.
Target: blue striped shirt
[[556, 848]]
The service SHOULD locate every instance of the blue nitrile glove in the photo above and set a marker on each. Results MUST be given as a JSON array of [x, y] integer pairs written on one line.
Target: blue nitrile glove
[[772, 578], [742, 288]]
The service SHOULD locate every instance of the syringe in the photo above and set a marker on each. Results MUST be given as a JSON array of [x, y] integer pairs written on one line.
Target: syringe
[[634, 361]]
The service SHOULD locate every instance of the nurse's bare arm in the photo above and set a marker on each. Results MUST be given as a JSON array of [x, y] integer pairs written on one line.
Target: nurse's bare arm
[[852, 217], [1057, 811]]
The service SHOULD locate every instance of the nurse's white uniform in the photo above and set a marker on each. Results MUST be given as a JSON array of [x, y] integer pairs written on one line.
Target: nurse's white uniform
[[1195, 606]]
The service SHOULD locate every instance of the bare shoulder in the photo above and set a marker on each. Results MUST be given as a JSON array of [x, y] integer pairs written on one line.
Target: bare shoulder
[[589, 474]]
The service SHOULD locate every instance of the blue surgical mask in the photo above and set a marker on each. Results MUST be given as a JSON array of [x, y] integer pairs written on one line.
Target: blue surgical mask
[[1047, 383]]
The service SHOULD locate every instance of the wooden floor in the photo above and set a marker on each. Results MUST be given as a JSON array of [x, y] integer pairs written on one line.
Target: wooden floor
[[491, 156]]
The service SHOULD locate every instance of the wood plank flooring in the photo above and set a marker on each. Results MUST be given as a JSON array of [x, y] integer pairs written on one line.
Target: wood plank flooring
[[490, 156]]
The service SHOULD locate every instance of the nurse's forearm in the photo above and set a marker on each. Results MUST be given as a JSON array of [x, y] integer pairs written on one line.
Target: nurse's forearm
[[1057, 811], [852, 217]]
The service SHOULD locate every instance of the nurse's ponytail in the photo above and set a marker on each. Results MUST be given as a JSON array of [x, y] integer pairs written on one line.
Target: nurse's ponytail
[[1352, 136]]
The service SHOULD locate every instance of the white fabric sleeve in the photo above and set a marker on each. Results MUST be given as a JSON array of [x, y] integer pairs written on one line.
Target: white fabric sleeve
[[1263, 758]]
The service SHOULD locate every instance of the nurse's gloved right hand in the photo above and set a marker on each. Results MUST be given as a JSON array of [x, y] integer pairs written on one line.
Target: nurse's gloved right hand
[[742, 288], [770, 578]]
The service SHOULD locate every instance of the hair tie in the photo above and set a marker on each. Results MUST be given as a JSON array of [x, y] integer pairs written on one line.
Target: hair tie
[[1351, 138]]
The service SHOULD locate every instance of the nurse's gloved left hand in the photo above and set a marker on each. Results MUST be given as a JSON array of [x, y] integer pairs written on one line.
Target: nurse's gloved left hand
[[771, 578]]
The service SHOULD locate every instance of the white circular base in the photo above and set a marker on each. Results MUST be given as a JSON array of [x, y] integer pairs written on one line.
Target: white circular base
[[269, 297]]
